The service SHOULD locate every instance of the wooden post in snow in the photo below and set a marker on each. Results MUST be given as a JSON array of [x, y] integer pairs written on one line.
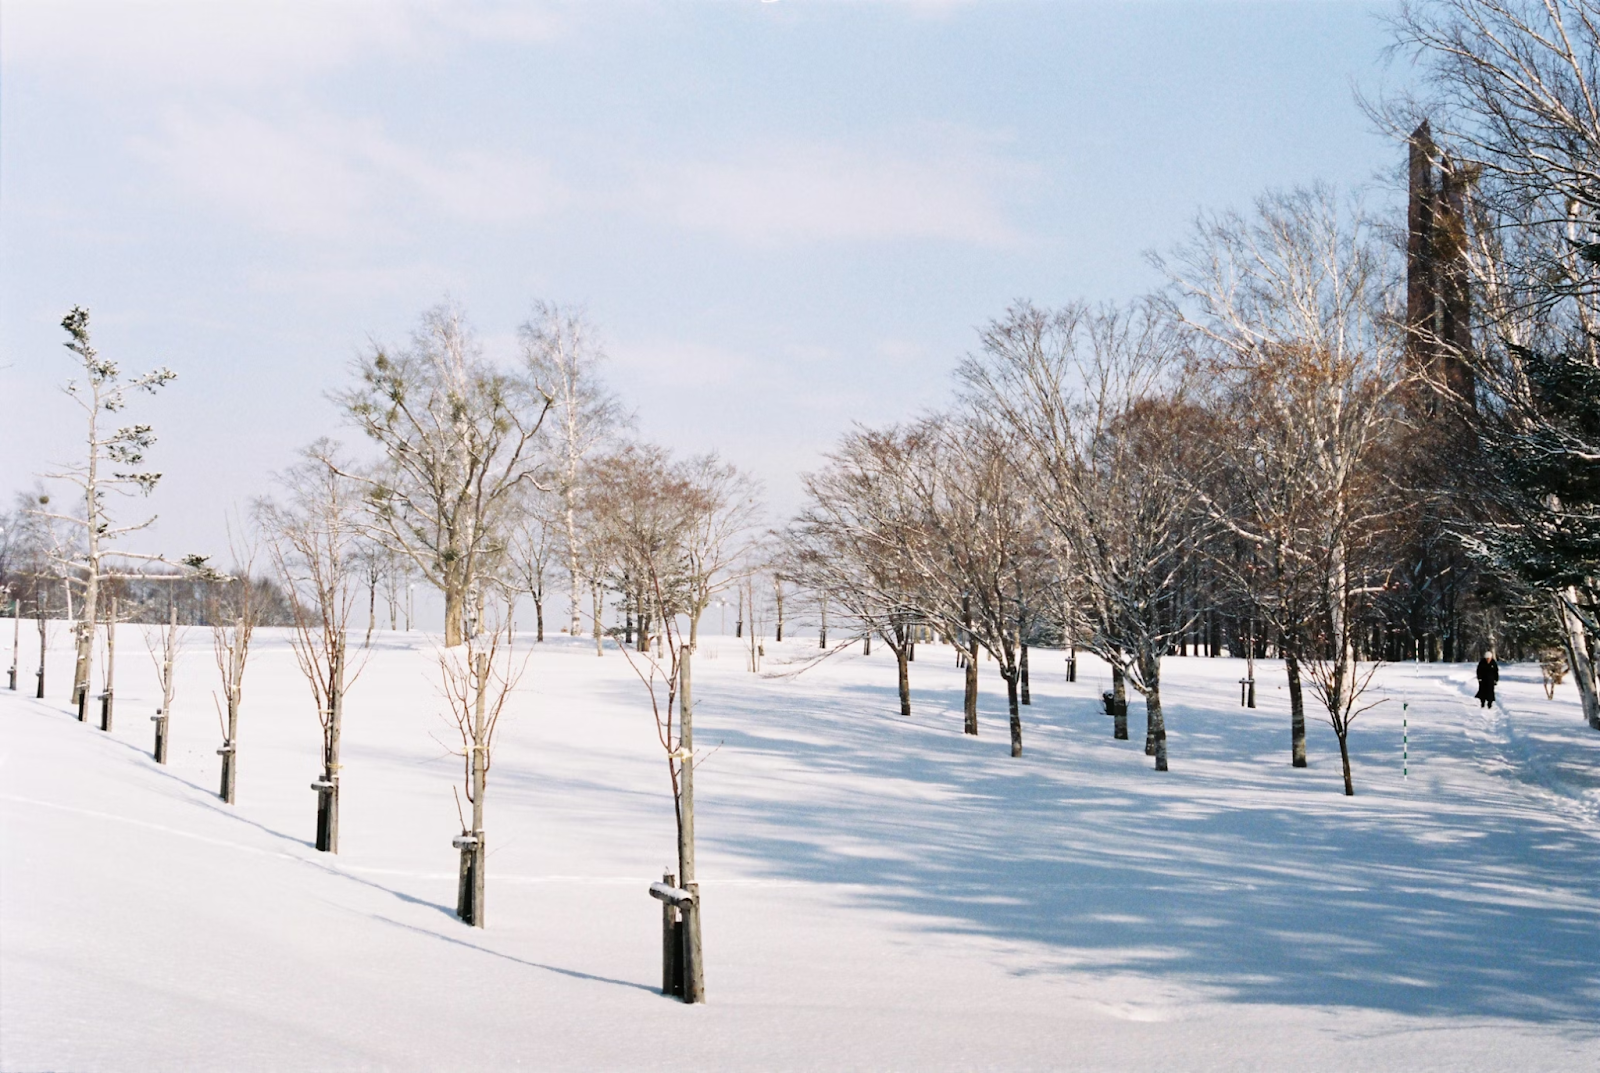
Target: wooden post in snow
[[1022, 670]]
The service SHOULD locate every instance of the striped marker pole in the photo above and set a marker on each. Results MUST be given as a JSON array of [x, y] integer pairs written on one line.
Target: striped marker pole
[[1405, 742]]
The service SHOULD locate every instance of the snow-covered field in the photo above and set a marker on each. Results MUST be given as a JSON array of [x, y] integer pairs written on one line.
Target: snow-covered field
[[879, 893]]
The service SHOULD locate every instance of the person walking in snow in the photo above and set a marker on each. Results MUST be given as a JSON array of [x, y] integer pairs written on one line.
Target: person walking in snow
[[1488, 675]]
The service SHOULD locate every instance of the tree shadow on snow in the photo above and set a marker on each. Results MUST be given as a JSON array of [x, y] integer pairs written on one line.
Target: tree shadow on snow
[[572, 973], [1233, 872]]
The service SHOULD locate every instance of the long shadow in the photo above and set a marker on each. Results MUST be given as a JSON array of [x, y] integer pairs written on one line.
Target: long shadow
[[196, 796], [1254, 883], [200, 797], [573, 973]]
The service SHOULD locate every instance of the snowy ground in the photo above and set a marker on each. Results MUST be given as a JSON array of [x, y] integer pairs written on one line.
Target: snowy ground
[[879, 893]]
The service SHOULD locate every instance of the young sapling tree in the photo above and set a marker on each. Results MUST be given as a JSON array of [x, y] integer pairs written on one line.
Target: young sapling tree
[[234, 610], [164, 643], [109, 666], [668, 683], [477, 677], [314, 538]]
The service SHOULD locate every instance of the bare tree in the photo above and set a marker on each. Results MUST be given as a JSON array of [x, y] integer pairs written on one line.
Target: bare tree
[[234, 608], [723, 511], [165, 644], [637, 514], [1299, 301], [532, 543], [458, 435], [562, 354], [1097, 402], [315, 539], [478, 677], [668, 683], [853, 542]]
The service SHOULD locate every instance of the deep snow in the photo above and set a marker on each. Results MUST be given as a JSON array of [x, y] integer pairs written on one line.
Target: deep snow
[[878, 892]]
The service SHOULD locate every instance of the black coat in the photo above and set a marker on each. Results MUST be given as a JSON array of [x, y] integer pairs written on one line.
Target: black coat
[[1488, 675]]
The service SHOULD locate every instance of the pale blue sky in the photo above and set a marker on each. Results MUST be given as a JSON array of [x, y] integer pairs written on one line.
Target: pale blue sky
[[783, 216]]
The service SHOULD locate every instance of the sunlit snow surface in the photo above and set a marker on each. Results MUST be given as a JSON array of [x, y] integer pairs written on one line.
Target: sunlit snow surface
[[878, 892]]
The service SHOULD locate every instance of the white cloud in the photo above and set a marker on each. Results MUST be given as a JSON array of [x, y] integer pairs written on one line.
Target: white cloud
[[800, 192], [320, 176], [210, 43]]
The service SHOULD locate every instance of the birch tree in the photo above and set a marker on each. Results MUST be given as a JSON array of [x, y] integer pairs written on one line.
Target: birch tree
[[561, 352], [1300, 302], [459, 439]]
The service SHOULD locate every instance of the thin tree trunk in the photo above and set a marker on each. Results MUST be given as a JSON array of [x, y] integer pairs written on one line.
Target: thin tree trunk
[[479, 855], [1344, 759], [230, 750], [538, 617], [1576, 642], [694, 984], [39, 607], [328, 795], [164, 716], [1010, 676], [599, 627], [108, 696], [969, 700], [1119, 704], [572, 546], [1297, 708], [454, 604], [1150, 671], [1027, 698], [904, 669]]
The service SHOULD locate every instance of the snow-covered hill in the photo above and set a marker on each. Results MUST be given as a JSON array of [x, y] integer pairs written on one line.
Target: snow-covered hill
[[879, 893]]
